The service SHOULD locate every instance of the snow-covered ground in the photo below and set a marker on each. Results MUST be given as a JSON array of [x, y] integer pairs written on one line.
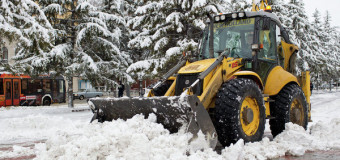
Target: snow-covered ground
[[58, 133]]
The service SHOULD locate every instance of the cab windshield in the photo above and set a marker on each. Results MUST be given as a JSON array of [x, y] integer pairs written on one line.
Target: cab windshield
[[235, 37]]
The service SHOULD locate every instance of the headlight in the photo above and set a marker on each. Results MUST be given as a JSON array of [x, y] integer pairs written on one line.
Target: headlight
[[217, 18], [223, 17], [75, 94], [241, 15], [234, 15]]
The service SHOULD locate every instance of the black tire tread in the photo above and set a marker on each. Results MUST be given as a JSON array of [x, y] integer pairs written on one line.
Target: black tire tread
[[227, 110], [281, 106]]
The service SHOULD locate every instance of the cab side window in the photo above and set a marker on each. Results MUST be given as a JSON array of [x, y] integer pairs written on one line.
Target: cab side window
[[268, 40], [280, 50]]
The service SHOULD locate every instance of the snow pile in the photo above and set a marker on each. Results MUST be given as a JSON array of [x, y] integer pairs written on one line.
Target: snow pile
[[136, 137], [57, 133], [143, 138], [327, 134], [293, 141]]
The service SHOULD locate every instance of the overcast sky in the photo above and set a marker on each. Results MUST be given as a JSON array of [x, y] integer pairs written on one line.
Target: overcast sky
[[333, 6]]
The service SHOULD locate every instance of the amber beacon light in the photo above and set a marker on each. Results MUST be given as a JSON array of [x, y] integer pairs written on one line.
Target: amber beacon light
[[268, 9]]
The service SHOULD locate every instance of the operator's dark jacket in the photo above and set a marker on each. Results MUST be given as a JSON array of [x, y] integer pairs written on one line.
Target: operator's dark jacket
[[120, 90]]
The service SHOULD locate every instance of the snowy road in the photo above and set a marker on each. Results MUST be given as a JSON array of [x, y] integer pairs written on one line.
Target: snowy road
[[58, 133]]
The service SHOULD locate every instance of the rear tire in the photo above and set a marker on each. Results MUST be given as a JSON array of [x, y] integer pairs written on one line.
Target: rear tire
[[290, 106], [239, 112]]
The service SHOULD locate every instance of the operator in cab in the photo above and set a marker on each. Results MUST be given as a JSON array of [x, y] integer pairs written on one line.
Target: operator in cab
[[246, 47]]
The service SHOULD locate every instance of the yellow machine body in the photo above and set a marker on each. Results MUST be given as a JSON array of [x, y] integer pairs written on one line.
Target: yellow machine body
[[192, 103], [230, 68]]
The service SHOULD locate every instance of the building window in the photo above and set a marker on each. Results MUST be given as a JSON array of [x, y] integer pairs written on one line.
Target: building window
[[4, 54]]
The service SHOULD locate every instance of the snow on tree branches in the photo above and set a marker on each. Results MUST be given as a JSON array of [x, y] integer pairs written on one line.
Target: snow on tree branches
[[165, 29], [23, 22]]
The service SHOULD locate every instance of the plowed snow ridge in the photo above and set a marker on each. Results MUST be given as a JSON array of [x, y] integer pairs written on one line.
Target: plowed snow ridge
[[61, 134]]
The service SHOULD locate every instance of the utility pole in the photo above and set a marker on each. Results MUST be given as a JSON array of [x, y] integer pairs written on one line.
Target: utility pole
[[140, 88], [128, 89]]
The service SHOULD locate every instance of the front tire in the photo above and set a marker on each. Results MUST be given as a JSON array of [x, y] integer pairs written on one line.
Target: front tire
[[81, 97], [290, 106], [239, 112]]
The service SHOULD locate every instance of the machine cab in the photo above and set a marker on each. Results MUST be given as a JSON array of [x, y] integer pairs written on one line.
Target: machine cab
[[232, 35], [256, 37]]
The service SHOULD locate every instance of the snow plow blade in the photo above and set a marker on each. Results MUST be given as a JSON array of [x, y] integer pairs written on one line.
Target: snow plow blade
[[171, 112]]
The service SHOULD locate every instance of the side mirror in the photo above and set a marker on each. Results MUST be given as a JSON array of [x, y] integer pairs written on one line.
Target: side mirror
[[255, 49]]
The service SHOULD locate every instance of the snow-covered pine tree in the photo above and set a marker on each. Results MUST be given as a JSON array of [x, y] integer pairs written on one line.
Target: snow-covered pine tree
[[122, 10], [317, 46], [106, 46], [317, 33], [165, 29], [337, 56], [23, 22], [293, 16], [237, 5], [331, 50], [85, 46], [317, 59]]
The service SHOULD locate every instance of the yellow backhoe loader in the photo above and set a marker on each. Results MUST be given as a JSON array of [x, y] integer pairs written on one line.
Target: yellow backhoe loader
[[242, 77]]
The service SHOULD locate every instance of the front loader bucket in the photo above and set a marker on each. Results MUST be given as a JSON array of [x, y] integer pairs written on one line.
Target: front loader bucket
[[171, 112]]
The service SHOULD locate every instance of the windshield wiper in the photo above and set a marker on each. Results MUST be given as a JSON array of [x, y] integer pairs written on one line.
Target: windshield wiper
[[229, 51]]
